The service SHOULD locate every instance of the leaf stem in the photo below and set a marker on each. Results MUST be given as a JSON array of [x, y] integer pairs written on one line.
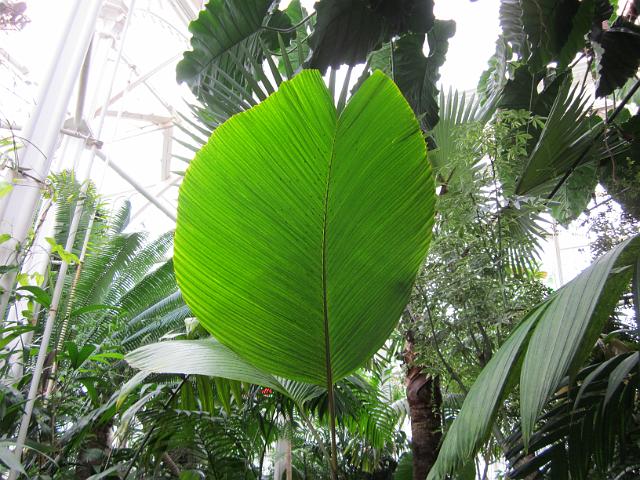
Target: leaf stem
[[292, 28], [607, 122], [325, 312], [332, 426]]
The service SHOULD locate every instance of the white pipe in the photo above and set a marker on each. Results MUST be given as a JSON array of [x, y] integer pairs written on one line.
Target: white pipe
[[143, 191], [46, 336], [37, 259], [42, 133], [36, 262], [166, 185], [60, 280], [556, 245]]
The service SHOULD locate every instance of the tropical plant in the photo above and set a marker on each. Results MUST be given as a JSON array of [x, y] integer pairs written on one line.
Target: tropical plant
[[295, 309], [106, 310], [575, 147], [303, 222], [481, 275], [551, 342]]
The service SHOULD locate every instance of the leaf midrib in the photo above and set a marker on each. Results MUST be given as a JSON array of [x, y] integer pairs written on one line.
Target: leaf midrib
[[325, 306]]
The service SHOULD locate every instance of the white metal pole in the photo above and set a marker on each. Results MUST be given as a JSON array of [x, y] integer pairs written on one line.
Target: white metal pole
[[42, 132], [37, 261], [143, 191], [38, 257], [556, 247], [46, 336], [60, 281]]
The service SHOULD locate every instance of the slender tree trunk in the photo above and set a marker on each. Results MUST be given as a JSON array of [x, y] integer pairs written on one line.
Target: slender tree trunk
[[171, 464], [289, 464], [425, 399]]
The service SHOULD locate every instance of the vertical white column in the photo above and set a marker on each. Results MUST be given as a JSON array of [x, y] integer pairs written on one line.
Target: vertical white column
[[111, 21], [42, 133]]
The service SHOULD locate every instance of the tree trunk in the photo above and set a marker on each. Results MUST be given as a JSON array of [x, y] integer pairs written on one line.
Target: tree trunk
[[425, 399]]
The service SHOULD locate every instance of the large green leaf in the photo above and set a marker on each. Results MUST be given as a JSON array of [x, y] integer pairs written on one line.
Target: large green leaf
[[219, 33], [545, 30], [555, 338], [300, 231], [553, 29], [618, 55], [347, 31], [510, 15], [580, 25], [210, 358], [569, 328], [417, 75], [587, 429]]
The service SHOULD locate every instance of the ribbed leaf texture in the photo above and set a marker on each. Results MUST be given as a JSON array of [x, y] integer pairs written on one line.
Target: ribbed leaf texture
[[555, 338], [570, 327], [567, 133], [300, 231], [198, 357], [472, 426], [221, 33]]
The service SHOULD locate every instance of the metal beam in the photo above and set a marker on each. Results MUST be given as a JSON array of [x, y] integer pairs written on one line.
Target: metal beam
[[143, 191], [142, 79], [142, 117], [165, 161]]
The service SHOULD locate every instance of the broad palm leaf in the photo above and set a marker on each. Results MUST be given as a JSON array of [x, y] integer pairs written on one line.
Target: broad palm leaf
[[281, 214], [589, 429], [550, 343]]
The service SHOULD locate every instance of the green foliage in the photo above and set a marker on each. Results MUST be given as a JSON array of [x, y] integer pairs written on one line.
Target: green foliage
[[199, 357], [598, 408], [563, 331], [620, 167], [347, 30], [522, 75], [296, 309], [417, 75], [564, 138], [618, 54], [223, 31]]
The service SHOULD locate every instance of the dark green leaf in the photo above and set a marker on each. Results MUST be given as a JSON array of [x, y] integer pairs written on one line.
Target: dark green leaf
[[346, 31], [417, 75], [217, 33], [580, 26], [569, 328], [619, 374], [618, 54]]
